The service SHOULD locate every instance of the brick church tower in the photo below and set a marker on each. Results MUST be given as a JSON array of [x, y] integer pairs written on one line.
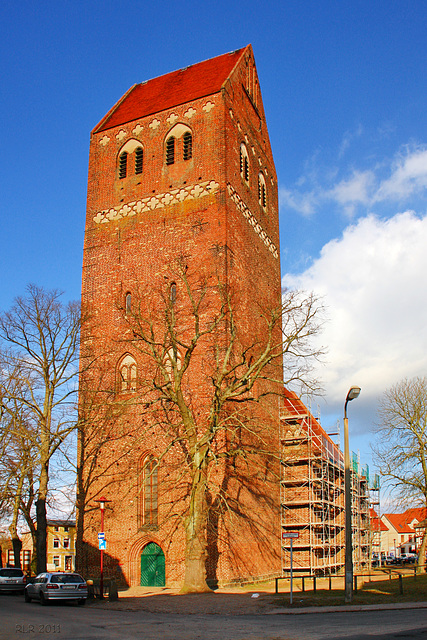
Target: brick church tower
[[182, 206]]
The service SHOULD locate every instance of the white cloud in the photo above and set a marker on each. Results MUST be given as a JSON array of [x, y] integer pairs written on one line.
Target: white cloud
[[409, 176], [396, 181], [373, 282]]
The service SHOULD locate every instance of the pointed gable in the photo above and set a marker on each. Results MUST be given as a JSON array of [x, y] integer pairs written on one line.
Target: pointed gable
[[197, 81]]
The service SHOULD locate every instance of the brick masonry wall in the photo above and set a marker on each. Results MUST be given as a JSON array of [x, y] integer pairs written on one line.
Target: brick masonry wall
[[200, 210]]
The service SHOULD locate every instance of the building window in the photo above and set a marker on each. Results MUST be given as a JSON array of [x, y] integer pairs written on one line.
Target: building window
[[68, 565], [127, 374], [128, 302], [170, 150], [56, 528], [56, 543], [188, 145], [149, 493], [66, 529], [262, 191], [172, 292], [123, 165], [139, 155], [66, 543], [56, 561], [244, 163]]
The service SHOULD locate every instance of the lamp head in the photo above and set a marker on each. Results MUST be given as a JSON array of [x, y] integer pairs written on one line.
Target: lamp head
[[102, 502], [353, 393]]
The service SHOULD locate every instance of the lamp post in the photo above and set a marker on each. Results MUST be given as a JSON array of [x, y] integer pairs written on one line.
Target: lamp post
[[351, 395], [102, 502]]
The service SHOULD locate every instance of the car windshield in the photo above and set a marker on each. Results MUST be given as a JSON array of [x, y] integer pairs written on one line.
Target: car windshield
[[11, 573], [66, 578]]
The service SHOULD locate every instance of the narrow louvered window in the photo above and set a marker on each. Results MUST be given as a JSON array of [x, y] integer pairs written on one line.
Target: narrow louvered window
[[172, 293], [139, 155], [262, 191], [188, 145], [244, 163], [123, 165], [170, 150]]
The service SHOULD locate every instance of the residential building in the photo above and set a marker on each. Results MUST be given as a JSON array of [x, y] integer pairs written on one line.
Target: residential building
[[61, 547], [402, 535]]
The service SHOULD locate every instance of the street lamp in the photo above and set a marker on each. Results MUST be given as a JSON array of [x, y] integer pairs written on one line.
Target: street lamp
[[351, 395], [101, 538]]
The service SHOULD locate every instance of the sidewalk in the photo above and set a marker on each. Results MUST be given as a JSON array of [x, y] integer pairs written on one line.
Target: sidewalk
[[228, 601]]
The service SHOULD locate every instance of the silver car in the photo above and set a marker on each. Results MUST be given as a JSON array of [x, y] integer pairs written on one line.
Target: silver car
[[56, 586], [12, 579]]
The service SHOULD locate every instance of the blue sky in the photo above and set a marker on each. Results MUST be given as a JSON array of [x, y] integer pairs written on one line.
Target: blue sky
[[344, 90]]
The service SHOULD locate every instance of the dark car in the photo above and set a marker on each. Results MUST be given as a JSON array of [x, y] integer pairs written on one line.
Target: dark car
[[12, 579], [57, 586]]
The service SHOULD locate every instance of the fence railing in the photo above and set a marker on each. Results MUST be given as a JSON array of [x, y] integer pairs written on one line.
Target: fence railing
[[306, 579]]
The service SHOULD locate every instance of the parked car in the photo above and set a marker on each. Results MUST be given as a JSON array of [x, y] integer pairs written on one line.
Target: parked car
[[410, 558], [56, 586], [12, 579]]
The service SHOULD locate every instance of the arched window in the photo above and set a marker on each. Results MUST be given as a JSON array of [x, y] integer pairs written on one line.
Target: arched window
[[244, 163], [123, 165], [262, 191], [149, 476], [178, 144], [128, 302], [172, 292], [131, 158], [127, 374], [170, 150], [188, 145], [139, 155]]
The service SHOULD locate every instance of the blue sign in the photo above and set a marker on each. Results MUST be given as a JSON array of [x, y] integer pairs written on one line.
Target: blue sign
[[101, 535], [103, 545]]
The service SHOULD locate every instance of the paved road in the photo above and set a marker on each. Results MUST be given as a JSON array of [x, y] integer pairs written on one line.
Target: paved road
[[69, 622]]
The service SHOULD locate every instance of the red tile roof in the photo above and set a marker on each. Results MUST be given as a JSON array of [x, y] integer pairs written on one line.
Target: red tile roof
[[401, 521], [377, 524], [175, 88]]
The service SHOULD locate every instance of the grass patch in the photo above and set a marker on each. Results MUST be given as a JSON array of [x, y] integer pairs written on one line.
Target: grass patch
[[381, 590]]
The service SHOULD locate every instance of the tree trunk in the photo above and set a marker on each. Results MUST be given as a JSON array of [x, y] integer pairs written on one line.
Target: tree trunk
[[17, 546], [41, 519], [422, 553], [196, 538]]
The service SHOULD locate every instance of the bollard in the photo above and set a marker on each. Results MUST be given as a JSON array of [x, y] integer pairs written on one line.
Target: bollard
[[113, 594], [355, 583], [277, 585], [330, 583], [400, 583], [303, 583], [314, 583]]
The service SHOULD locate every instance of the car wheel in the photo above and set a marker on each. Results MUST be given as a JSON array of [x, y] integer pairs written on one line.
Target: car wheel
[[43, 599], [27, 597], [82, 601]]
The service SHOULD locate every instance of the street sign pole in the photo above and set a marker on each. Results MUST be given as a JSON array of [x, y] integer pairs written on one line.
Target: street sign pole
[[290, 535], [291, 594]]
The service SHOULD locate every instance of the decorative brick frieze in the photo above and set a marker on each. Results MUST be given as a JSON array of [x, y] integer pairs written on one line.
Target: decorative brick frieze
[[252, 220], [174, 196]]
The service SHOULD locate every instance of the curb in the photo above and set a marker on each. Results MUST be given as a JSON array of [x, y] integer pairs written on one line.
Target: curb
[[348, 608]]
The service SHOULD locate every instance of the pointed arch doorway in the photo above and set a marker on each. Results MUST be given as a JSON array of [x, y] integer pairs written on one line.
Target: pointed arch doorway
[[152, 566]]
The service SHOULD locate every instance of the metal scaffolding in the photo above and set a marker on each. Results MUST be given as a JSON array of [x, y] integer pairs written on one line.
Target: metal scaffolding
[[312, 495]]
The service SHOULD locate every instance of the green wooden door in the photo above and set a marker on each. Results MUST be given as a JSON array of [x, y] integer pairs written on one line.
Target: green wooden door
[[152, 566]]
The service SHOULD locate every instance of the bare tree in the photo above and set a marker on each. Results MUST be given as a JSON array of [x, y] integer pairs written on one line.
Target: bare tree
[[401, 446], [40, 336], [210, 392]]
